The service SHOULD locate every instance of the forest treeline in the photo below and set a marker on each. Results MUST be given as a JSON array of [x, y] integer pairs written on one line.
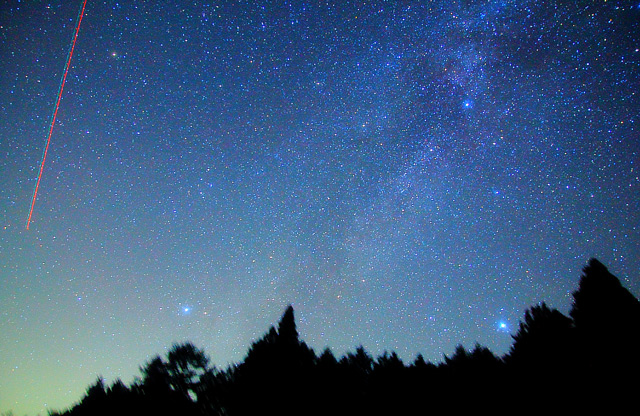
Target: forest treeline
[[556, 362]]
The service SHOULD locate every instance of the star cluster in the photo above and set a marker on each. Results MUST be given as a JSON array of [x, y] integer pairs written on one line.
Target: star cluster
[[409, 175]]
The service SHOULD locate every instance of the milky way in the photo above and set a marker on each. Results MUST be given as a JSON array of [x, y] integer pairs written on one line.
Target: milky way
[[408, 175]]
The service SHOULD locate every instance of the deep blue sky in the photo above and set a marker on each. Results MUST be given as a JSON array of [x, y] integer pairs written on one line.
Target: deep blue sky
[[409, 175]]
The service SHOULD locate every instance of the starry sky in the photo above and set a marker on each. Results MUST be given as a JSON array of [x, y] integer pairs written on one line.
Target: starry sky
[[409, 175]]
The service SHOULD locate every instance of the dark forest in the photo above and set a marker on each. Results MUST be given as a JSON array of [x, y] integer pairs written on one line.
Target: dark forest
[[584, 361]]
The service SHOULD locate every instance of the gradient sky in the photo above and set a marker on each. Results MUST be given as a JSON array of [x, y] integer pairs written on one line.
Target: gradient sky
[[409, 175]]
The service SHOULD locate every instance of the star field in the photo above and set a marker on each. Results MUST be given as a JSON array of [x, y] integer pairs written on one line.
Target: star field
[[408, 175]]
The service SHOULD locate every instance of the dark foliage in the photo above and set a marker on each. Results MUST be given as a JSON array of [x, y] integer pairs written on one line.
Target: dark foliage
[[606, 316], [543, 344], [555, 363], [607, 330]]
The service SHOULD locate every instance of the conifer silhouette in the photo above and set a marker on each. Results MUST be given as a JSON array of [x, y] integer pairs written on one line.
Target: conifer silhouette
[[543, 342], [569, 363], [607, 323]]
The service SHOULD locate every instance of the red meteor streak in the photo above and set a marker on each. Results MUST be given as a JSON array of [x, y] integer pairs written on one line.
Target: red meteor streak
[[55, 113]]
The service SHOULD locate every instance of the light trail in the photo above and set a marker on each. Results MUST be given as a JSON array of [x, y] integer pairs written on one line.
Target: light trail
[[55, 112]]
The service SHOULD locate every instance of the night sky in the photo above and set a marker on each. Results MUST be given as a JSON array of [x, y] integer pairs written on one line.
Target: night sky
[[409, 175]]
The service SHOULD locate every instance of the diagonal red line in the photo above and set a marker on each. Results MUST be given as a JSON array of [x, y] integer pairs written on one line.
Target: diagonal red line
[[55, 113]]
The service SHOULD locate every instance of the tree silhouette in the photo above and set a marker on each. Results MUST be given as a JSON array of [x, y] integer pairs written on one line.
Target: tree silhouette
[[172, 386], [287, 331], [480, 360], [215, 391], [118, 389], [421, 377], [541, 358], [155, 377], [100, 400], [95, 400], [388, 380], [602, 308], [353, 376], [469, 379], [278, 365], [388, 364], [543, 342], [555, 361], [186, 364], [179, 375], [327, 360], [359, 363], [607, 321]]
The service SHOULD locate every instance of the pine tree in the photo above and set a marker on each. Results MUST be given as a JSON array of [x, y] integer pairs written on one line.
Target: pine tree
[[542, 344], [607, 320]]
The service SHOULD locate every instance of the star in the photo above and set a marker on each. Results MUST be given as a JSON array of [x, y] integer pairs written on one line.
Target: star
[[503, 327], [372, 171]]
